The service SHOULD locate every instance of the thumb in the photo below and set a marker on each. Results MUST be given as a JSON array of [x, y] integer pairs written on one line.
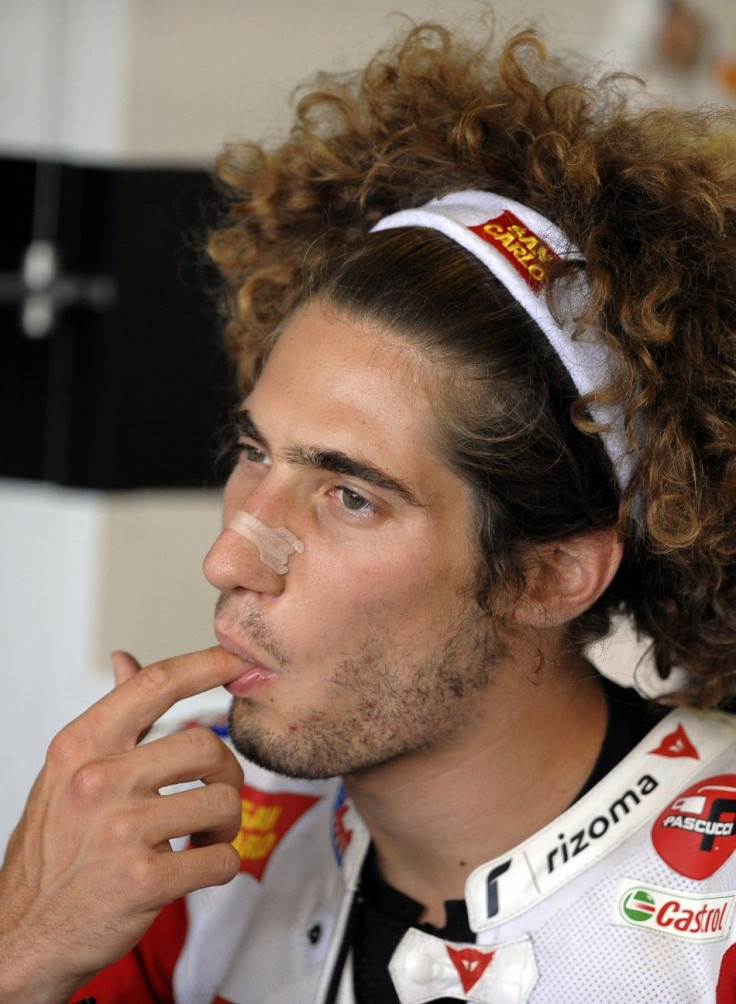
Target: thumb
[[124, 666]]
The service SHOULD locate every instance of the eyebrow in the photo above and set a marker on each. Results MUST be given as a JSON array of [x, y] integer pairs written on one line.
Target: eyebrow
[[335, 461], [247, 427]]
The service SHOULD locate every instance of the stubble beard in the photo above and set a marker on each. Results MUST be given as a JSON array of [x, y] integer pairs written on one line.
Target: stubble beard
[[380, 704]]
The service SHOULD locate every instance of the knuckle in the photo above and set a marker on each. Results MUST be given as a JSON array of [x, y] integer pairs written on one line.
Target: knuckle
[[64, 749], [227, 800], [145, 880], [124, 829], [227, 864], [207, 744], [155, 677], [91, 782]]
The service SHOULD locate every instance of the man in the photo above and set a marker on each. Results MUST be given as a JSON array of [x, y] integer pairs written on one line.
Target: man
[[472, 428]]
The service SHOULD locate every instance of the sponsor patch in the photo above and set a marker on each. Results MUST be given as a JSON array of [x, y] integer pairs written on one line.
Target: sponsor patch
[[629, 799], [527, 252], [676, 744], [674, 914], [569, 845], [696, 833], [266, 818]]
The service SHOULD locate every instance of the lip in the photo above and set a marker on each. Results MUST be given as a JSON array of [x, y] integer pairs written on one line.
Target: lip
[[255, 674]]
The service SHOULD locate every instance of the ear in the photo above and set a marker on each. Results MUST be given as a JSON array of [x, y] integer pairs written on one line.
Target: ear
[[566, 577]]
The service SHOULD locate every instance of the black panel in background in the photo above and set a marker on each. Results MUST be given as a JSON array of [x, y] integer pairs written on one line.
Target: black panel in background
[[23, 363], [133, 396]]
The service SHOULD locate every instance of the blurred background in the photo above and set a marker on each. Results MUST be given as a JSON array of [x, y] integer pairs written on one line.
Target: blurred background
[[112, 385]]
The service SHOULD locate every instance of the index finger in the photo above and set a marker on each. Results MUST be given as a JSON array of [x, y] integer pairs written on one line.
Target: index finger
[[114, 723]]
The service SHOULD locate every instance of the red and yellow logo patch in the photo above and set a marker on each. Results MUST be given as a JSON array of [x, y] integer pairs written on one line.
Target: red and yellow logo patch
[[527, 252], [266, 819]]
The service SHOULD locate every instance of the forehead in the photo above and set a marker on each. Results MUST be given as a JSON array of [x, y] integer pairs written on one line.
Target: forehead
[[350, 386]]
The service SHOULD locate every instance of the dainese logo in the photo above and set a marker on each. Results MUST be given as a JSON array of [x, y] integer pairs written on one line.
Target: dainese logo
[[696, 833], [676, 744], [470, 964]]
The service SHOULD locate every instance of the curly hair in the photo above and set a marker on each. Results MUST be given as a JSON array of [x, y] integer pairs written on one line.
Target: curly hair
[[648, 195]]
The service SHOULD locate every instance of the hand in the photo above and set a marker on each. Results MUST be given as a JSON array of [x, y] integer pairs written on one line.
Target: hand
[[89, 865]]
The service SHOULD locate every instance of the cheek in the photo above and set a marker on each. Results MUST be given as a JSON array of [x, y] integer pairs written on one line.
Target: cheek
[[386, 585]]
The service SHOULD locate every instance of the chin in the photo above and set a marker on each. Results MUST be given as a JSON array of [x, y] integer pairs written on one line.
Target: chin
[[314, 750], [288, 754]]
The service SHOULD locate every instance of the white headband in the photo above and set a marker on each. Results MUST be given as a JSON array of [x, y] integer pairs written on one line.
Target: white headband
[[517, 244]]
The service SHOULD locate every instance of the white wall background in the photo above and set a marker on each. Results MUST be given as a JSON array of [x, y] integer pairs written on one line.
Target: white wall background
[[169, 79], [153, 81]]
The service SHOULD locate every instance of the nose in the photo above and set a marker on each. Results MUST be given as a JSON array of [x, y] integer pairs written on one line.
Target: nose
[[233, 562]]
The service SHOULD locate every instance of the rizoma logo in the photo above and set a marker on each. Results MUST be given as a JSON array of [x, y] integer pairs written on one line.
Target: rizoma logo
[[692, 918], [527, 252], [696, 833], [569, 846], [265, 820]]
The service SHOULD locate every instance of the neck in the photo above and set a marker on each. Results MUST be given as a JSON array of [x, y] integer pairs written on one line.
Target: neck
[[517, 763]]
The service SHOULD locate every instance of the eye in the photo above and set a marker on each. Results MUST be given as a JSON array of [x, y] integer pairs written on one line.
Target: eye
[[253, 454], [354, 502]]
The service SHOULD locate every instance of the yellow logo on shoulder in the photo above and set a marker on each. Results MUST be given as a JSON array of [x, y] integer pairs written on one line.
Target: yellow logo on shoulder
[[266, 819]]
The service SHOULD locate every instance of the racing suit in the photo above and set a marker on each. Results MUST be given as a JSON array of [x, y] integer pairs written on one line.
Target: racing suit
[[629, 895]]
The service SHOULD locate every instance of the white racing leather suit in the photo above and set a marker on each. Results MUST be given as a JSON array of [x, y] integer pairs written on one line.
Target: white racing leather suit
[[629, 895]]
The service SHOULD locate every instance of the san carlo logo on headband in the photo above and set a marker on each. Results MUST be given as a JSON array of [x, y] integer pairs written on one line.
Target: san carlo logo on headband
[[529, 255], [500, 232]]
